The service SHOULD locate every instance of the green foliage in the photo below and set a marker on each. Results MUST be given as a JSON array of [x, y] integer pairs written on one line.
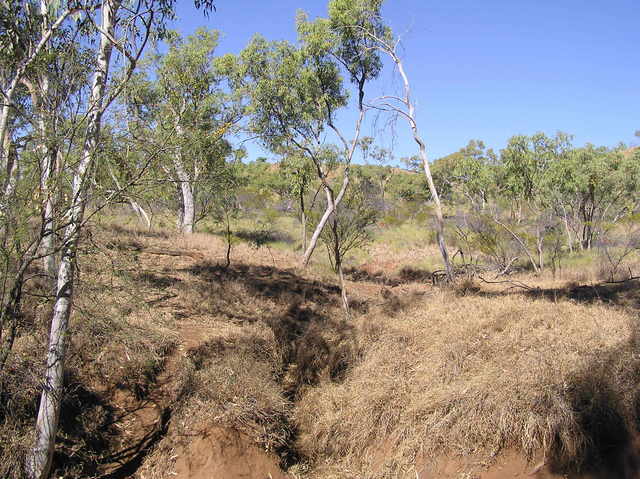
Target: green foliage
[[356, 23], [180, 102], [350, 229], [471, 172], [528, 164]]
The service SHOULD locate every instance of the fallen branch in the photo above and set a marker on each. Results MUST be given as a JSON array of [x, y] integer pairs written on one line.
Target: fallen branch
[[631, 278], [514, 283]]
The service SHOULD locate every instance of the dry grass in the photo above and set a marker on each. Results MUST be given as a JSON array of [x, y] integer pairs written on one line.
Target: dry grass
[[231, 380], [117, 343], [419, 373], [465, 375]]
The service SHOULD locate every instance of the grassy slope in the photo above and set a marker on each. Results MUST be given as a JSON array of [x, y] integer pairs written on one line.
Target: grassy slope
[[261, 347]]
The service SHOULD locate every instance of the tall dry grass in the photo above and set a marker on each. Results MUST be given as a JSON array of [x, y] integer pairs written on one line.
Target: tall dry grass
[[475, 375]]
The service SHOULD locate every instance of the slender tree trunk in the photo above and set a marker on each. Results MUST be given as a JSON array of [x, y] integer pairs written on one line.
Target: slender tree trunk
[[137, 209], [331, 206], [48, 156], [142, 214], [38, 462], [539, 247], [10, 166], [229, 239], [439, 216], [9, 317], [188, 205], [188, 215], [180, 212], [409, 115], [303, 221], [338, 265], [567, 230], [304, 231], [48, 246], [332, 203], [4, 130]]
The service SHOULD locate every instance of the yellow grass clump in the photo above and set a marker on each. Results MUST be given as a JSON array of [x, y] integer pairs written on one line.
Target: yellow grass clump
[[475, 375]]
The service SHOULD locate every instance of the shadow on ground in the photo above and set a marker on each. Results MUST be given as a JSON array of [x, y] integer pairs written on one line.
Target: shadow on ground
[[279, 284], [90, 436], [624, 293], [605, 401], [406, 275]]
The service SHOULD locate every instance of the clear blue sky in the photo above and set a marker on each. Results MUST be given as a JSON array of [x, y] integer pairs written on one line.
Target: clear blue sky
[[486, 69]]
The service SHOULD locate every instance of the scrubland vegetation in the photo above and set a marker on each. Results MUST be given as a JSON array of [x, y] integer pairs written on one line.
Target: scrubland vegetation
[[174, 308]]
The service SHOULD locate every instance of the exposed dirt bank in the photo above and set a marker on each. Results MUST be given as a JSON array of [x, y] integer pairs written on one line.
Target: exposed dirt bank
[[225, 453]]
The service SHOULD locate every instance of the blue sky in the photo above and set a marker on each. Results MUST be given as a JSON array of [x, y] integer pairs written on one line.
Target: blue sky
[[485, 69]]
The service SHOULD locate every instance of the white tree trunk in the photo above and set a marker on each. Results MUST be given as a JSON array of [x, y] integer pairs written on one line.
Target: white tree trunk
[[427, 172], [409, 115], [47, 245], [39, 459], [4, 128], [7, 96], [332, 203], [436, 200], [405, 107], [48, 158], [142, 214], [567, 230], [188, 213], [10, 166], [331, 206]]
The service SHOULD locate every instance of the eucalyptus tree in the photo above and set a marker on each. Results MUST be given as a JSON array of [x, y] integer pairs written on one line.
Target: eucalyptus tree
[[297, 176], [472, 172], [191, 113], [403, 105], [354, 52], [297, 91], [526, 184], [292, 94], [595, 188], [125, 28]]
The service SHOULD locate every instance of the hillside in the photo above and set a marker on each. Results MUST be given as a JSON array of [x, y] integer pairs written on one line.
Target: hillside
[[199, 371]]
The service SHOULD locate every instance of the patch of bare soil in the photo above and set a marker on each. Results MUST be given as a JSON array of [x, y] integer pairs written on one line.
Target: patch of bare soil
[[224, 453], [508, 465], [622, 464]]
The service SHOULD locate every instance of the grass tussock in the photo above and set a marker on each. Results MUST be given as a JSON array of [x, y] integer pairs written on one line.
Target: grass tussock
[[232, 381], [472, 375]]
